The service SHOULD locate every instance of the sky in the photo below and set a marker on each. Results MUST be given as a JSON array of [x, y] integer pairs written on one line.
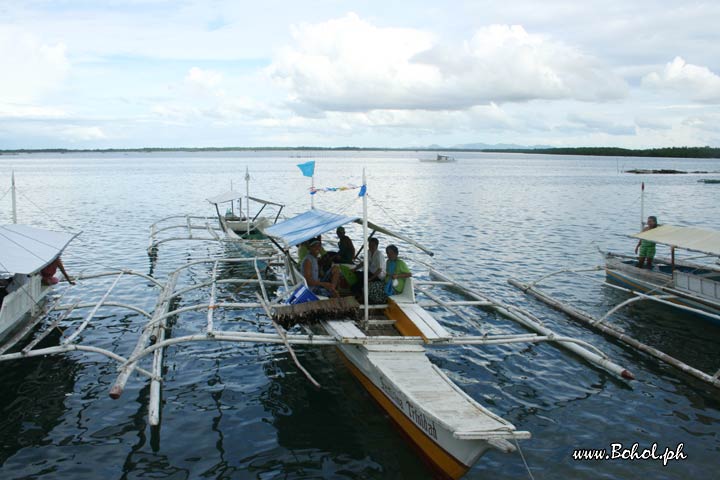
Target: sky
[[329, 73]]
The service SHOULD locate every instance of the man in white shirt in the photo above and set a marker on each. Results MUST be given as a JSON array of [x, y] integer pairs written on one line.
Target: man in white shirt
[[376, 262]]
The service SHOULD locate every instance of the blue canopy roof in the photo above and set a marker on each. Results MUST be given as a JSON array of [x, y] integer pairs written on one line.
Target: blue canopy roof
[[306, 226]]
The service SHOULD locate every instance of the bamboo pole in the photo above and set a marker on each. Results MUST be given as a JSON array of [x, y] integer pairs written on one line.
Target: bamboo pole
[[105, 304], [525, 319], [283, 336], [265, 298], [440, 302], [159, 333], [211, 305], [92, 313], [72, 347], [87, 276], [47, 331], [615, 333], [672, 293], [161, 306]]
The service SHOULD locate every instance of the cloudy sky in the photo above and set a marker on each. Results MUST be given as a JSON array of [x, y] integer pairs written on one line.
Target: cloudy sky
[[136, 73]]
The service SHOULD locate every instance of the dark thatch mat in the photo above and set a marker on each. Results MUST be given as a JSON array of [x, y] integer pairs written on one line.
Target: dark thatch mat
[[313, 312]]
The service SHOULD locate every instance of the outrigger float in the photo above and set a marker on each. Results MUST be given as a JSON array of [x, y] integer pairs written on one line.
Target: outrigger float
[[683, 285], [384, 346]]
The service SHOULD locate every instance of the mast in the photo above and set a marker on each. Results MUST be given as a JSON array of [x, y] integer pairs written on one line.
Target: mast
[[642, 205], [312, 189], [366, 247], [247, 199], [14, 203]]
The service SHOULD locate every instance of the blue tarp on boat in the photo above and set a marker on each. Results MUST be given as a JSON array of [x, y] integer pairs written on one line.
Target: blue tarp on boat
[[306, 226]]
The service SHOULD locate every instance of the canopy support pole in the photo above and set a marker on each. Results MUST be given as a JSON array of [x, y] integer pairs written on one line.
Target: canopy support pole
[[247, 201], [367, 251], [14, 201]]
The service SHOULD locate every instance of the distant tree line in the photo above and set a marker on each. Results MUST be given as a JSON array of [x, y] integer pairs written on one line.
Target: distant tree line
[[676, 152]]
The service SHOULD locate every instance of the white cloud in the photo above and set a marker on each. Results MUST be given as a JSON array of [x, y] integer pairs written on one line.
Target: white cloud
[[203, 79], [9, 110], [693, 81], [29, 67], [83, 134], [347, 64]]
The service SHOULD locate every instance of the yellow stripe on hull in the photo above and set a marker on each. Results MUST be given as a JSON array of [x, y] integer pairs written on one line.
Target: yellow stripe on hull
[[441, 460], [403, 324]]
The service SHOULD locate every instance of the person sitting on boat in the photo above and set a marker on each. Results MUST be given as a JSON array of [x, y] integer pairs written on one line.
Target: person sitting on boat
[[311, 271], [376, 273], [396, 272], [343, 274], [303, 249], [646, 247], [346, 249], [48, 273]]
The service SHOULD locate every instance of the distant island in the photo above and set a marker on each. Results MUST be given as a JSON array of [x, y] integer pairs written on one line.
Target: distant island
[[674, 152]]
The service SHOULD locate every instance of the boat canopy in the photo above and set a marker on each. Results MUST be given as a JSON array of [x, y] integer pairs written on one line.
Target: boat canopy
[[266, 202], [315, 222], [26, 250], [228, 196], [688, 238], [305, 226]]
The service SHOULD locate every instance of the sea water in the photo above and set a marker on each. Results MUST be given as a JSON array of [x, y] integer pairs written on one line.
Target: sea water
[[244, 411]]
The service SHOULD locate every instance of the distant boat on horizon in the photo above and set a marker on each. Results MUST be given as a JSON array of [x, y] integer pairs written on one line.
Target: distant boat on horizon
[[439, 159]]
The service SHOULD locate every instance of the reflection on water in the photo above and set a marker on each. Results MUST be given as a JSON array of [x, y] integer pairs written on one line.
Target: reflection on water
[[33, 400], [243, 411]]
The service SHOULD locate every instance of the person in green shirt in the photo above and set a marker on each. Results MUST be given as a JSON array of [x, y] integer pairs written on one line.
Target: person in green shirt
[[396, 270], [646, 247]]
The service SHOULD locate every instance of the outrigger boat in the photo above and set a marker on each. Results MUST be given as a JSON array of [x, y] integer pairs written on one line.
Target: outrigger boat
[[685, 285], [384, 346], [245, 230], [24, 252]]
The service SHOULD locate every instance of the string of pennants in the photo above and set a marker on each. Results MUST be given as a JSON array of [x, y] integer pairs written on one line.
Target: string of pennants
[[308, 169]]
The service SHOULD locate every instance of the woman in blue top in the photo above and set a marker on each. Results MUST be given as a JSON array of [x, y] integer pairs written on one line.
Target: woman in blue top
[[396, 271]]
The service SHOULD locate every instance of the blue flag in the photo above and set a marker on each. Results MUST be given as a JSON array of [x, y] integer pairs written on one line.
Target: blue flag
[[307, 168], [363, 191]]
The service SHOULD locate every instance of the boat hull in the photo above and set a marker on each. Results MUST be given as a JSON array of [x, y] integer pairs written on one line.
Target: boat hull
[[448, 456], [644, 281], [21, 307]]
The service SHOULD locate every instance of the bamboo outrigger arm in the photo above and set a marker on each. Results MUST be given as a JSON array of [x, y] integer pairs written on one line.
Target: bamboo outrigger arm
[[527, 320], [615, 333], [109, 273]]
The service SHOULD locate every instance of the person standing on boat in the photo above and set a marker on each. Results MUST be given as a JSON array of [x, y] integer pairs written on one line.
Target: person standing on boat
[[646, 247], [311, 271], [48, 273], [396, 272]]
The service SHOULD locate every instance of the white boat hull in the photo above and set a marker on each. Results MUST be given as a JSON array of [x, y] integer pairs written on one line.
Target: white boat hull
[[700, 294], [21, 306], [440, 420]]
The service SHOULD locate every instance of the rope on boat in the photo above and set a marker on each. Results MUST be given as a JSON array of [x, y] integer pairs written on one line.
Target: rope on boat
[[527, 467]]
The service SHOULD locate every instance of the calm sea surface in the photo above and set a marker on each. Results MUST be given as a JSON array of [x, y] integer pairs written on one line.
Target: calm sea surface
[[243, 411]]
